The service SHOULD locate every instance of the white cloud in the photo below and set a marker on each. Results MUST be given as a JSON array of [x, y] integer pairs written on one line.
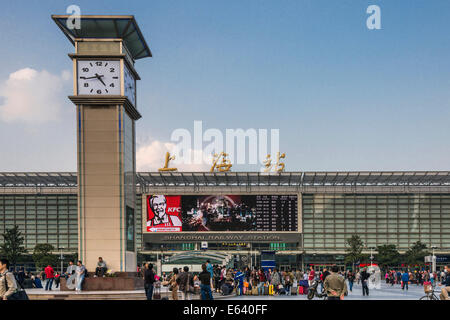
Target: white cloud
[[150, 156], [31, 96]]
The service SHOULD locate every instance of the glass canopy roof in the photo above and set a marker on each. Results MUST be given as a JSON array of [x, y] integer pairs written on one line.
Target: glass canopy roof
[[107, 27], [299, 179]]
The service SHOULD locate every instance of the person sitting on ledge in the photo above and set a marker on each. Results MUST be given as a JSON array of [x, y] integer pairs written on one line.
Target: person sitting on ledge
[[101, 268]]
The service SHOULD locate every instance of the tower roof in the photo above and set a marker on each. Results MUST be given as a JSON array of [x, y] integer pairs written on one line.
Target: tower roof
[[107, 27]]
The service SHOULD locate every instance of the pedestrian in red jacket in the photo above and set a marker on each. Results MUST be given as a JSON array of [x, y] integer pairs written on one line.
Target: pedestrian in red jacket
[[50, 275]]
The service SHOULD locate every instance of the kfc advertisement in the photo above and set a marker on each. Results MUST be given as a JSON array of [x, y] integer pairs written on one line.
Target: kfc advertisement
[[164, 213]]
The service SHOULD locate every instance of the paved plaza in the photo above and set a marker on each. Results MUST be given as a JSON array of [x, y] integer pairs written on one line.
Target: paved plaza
[[387, 292]]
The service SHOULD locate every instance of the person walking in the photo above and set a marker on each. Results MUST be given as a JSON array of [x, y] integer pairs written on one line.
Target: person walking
[[399, 277], [288, 282], [311, 275], [351, 280], [216, 279], [325, 273], [405, 280], [205, 284], [364, 281], [50, 275], [149, 280], [276, 280], [173, 284], [186, 283], [334, 285], [8, 283], [261, 282], [210, 269], [80, 271], [391, 278], [239, 279]]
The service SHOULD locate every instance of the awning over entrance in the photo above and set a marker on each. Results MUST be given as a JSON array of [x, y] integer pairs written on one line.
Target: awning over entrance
[[199, 257]]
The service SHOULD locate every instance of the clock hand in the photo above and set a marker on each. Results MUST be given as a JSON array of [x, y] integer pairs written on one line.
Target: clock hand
[[88, 77], [100, 78]]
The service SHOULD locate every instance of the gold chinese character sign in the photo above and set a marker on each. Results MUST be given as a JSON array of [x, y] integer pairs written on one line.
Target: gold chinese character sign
[[166, 163], [223, 166]]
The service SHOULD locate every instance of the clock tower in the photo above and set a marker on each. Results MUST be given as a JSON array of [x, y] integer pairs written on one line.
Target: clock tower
[[104, 93]]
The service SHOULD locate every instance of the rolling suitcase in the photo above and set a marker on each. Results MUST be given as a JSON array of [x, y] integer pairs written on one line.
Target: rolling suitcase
[[300, 289], [226, 289], [294, 290], [157, 291], [271, 290], [254, 291]]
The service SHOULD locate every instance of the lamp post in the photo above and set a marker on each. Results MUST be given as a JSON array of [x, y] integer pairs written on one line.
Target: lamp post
[[62, 259], [371, 256], [162, 259], [433, 259]]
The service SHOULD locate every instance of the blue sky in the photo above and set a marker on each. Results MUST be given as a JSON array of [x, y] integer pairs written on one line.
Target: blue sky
[[344, 97]]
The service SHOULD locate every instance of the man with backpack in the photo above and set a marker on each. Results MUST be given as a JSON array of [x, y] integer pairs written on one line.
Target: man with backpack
[[8, 283]]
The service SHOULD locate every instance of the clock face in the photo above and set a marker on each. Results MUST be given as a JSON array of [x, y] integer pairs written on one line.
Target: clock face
[[98, 77], [130, 85]]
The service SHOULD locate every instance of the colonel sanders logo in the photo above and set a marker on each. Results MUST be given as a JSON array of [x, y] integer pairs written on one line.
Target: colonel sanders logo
[[164, 213]]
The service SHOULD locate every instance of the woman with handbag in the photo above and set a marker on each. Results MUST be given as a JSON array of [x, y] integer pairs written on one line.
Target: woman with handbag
[[173, 285]]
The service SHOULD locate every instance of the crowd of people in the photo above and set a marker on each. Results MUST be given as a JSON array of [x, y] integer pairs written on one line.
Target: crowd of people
[[414, 277], [257, 281], [225, 281]]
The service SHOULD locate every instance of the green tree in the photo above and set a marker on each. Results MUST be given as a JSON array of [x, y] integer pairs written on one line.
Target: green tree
[[354, 249], [416, 254], [12, 247], [42, 255], [387, 255]]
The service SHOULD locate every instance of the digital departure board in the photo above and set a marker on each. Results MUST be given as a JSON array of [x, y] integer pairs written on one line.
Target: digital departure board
[[221, 213], [276, 213]]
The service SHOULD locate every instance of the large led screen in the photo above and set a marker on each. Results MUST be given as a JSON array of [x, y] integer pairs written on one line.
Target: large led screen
[[221, 213]]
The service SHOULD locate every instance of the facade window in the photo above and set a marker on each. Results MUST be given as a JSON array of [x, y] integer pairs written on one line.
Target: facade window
[[376, 218]]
